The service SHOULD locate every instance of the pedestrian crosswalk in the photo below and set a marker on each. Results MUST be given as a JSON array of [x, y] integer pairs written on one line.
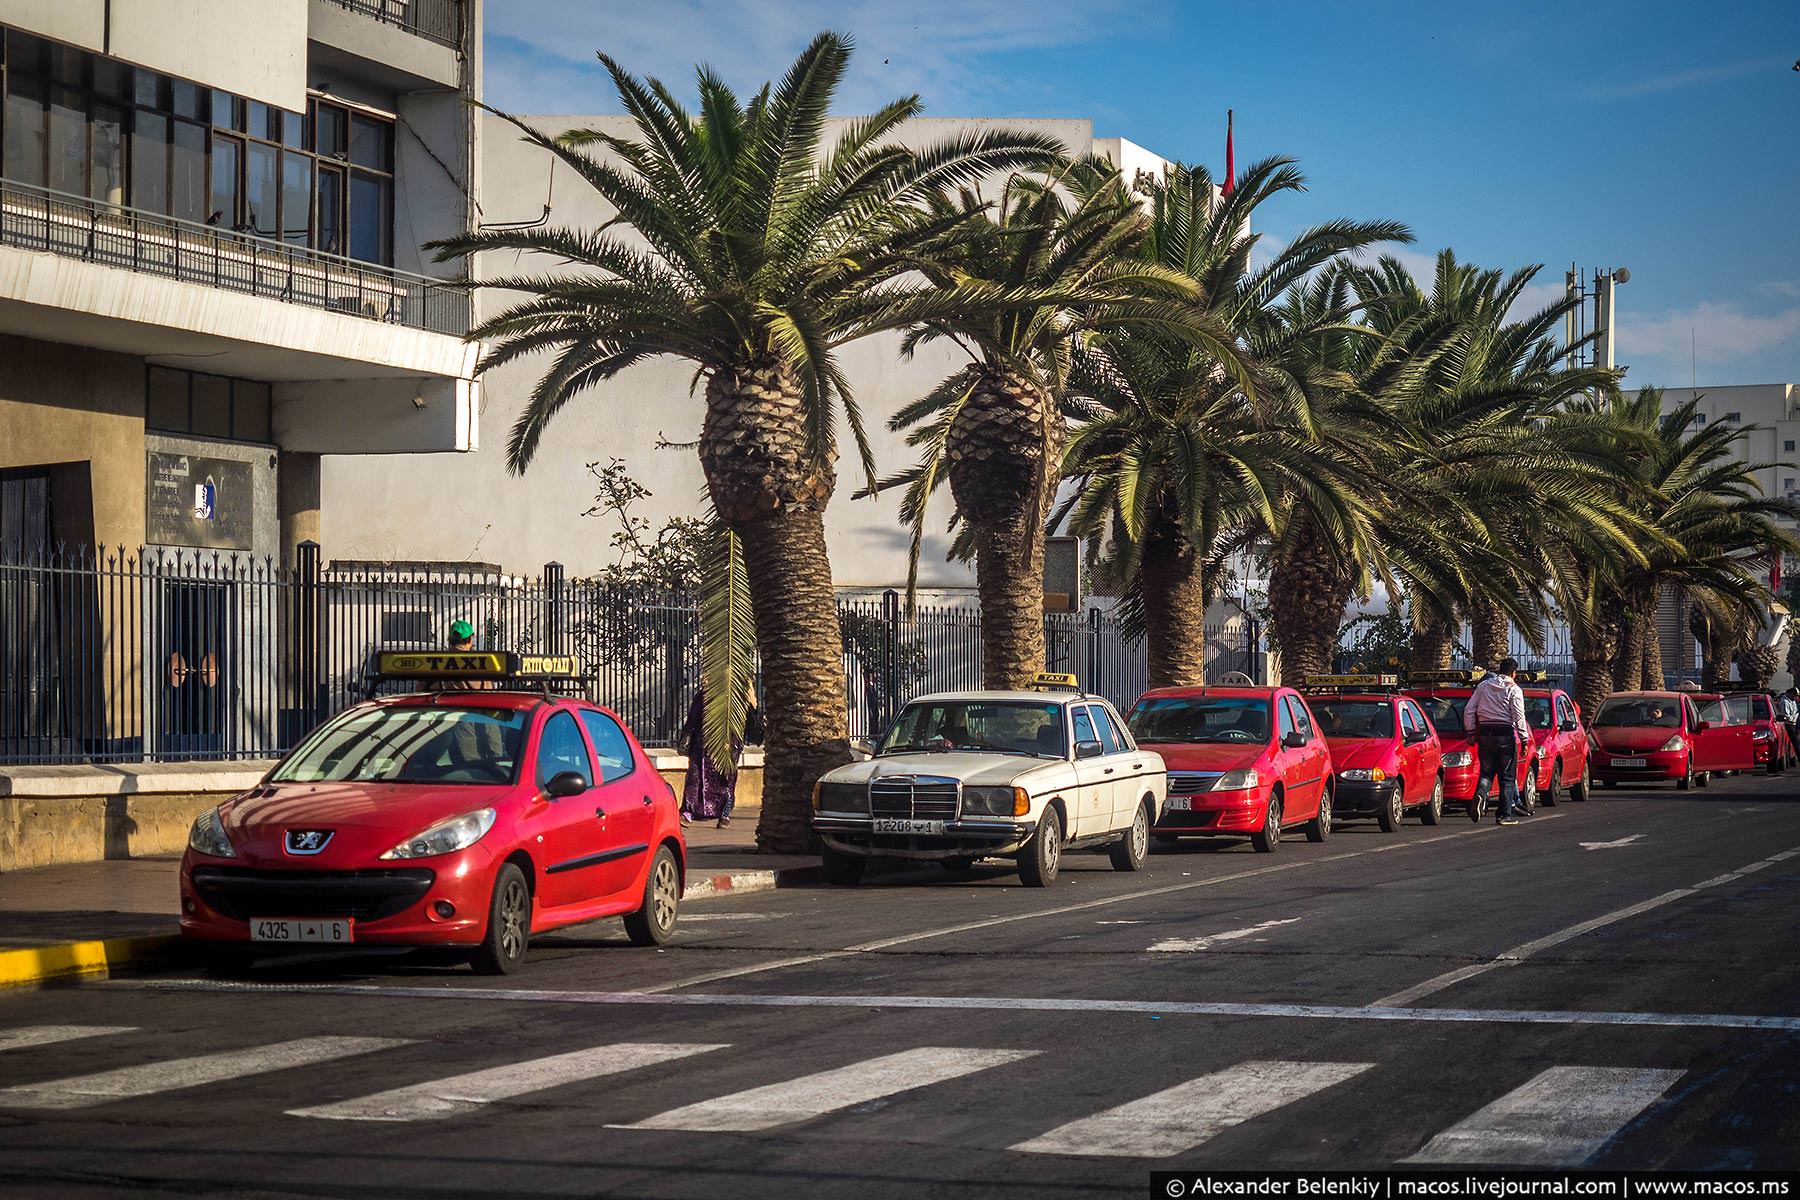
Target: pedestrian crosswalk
[[1563, 1116]]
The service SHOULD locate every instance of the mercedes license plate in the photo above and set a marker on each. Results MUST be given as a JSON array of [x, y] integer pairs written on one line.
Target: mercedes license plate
[[297, 929], [1179, 804], [894, 825], [1630, 762]]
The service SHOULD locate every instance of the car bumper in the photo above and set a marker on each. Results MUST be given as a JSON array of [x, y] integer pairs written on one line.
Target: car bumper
[[1658, 764], [393, 904], [970, 835], [1355, 797], [1216, 812]]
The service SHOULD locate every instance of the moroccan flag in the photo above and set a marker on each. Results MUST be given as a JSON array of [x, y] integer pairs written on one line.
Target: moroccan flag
[[1230, 162]]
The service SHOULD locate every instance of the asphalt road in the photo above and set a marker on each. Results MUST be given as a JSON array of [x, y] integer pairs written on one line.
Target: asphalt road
[[1610, 984]]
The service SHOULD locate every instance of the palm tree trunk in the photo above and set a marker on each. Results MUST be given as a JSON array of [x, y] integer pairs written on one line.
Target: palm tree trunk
[[1488, 630], [1430, 639], [772, 489], [1309, 589], [1175, 603], [1004, 452], [1652, 649], [1592, 645]]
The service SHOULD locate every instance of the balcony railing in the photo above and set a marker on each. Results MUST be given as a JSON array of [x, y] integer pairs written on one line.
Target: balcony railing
[[34, 218], [439, 20]]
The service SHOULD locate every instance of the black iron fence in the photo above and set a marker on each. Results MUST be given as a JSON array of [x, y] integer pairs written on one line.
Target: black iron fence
[[167, 656], [36, 218], [439, 20]]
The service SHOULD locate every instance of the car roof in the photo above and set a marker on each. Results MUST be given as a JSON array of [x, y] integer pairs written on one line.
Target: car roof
[[1658, 695], [470, 698], [1020, 697], [1355, 696], [1234, 692]]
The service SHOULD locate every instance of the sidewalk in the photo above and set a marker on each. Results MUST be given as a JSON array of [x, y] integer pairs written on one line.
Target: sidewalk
[[89, 917]]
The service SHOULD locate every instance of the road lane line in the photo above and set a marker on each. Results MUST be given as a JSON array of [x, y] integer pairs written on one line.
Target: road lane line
[[1014, 1004], [1525, 950], [49, 1035], [1559, 1119], [1177, 1119], [462, 1094], [79, 1091], [1103, 902], [829, 1091], [1189, 945]]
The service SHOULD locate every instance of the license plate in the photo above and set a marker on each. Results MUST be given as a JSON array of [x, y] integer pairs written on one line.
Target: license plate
[[1179, 804], [893, 825], [1630, 762], [301, 930]]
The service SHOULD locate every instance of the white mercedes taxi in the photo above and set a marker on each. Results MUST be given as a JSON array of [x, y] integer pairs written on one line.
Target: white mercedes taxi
[[963, 776]]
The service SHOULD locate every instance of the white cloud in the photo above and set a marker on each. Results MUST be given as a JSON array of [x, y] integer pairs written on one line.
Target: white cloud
[[1671, 81], [1714, 332]]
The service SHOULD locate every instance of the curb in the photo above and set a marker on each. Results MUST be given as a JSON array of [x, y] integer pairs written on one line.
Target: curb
[[744, 882], [35, 964]]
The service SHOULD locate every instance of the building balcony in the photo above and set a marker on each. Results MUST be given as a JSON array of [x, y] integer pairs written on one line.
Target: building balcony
[[440, 21], [391, 45]]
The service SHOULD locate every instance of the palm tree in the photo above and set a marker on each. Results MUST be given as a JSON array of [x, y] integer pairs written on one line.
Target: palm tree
[[758, 251], [1062, 249]]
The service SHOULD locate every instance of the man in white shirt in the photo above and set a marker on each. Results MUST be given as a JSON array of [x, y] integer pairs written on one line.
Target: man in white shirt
[[1495, 714]]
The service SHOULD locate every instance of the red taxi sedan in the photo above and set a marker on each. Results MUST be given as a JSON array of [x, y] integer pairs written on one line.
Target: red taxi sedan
[[1385, 754], [1443, 695], [1641, 737], [461, 818], [1242, 761]]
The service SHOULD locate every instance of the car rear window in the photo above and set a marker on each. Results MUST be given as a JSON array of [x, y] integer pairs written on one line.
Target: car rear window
[[1341, 718], [1177, 719], [1638, 710], [436, 744]]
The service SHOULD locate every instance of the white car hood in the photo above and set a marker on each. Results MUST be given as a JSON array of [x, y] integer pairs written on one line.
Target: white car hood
[[971, 767]]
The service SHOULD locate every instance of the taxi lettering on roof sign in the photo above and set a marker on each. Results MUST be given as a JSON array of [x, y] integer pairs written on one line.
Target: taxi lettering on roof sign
[[1531, 677], [466, 663], [555, 666], [1055, 681], [1352, 681], [1463, 675]]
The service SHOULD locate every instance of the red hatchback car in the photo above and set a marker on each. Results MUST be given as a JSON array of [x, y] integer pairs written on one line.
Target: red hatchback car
[[1559, 743], [1243, 761], [1640, 737], [1443, 695], [460, 818], [1771, 747], [1386, 756]]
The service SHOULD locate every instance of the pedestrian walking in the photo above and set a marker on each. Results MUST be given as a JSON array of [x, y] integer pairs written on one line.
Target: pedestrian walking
[[709, 793], [1787, 711], [1495, 714]]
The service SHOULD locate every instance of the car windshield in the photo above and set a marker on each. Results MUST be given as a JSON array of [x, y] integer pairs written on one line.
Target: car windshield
[[1639, 710], [1537, 712], [406, 744], [1446, 712], [1340, 718], [1003, 727], [1176, 719]]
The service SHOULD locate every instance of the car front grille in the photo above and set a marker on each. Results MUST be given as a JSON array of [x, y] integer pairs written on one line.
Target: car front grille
[[918, 797], [1191, 783], [242, 893]]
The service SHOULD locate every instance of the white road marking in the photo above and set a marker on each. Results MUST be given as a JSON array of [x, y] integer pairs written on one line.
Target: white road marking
[[829, 1091], [687, 917], [1329, 1012], [1520, 953], [1613, 845], [1177, 1119], [463, 1094], [48, 1035], [801, 960], [1188, 945], [1559, 1119], [82, 1090]]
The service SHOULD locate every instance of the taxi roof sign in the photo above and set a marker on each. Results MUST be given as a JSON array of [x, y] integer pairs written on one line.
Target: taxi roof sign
[[1353, 681], [1452, 675], [485, 667], [1055, 681], [1535, 677]]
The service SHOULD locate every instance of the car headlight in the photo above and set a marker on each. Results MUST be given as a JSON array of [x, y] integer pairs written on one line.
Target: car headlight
[[1237, 781], [1760, 735], [1674, 743], [1457, 758], [997, 801], [1363, 774], [446, 837], [208, 835], [841, 797]]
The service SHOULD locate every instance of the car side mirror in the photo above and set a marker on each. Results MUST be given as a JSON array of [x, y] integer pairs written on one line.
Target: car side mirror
[[1089, 749], [1702, 726], [566, 783], [1570, 726], [1294, 740], [865, 746]]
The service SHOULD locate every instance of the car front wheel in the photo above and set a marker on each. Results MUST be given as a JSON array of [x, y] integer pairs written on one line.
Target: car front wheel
[[1270, 836], [1395, 808], [509, 924], [1129, 851], [654, 923], [1042, 855]]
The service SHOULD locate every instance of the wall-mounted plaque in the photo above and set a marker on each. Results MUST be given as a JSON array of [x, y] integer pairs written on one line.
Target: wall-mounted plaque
[[202, 502]]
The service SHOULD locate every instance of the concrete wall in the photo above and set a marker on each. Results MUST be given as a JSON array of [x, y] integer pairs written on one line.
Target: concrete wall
[[469, 508], [83, 411], [254, 49], [1768, 405]]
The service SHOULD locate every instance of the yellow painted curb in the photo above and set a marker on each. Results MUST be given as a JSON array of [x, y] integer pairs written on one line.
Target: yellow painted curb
[[34, 964]]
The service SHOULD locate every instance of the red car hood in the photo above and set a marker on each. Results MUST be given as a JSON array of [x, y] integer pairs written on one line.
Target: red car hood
[[1209, 756], [1633, 737], [1361, 752], [365, 819]]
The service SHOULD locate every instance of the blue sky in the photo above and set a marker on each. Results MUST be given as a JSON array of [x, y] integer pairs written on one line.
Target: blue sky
[[1663, 135]]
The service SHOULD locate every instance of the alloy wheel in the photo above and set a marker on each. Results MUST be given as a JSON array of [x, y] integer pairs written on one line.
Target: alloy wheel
[[515, 903]]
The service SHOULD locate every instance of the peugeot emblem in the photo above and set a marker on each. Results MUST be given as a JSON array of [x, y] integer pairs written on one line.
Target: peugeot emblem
[[307, 841]]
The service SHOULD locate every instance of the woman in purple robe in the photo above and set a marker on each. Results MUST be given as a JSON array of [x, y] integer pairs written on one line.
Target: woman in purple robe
[[709, 793]]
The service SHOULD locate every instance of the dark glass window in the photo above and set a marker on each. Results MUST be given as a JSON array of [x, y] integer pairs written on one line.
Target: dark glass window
[[256, 118], [212, 405], [112, 79], [293, 130], [25, 129], [250, 404], [222, 208], [189, 100], [371, 142], [106, 154], [150, 162], [611, 745], [187, 172], [225, 109], [560, 749], [261, 197], [371, 217], [331, 209], [150, 89], [330, 135], [166, 405], [66, 63], [296, 197], [68, 141], [26, 53]]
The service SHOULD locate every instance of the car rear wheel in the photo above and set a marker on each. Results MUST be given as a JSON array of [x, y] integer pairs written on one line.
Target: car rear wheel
[[842, 870], [1433, 810], [1687, 779], [1319, 828], [654, 923], [1128, 852], [1394, 810], [1270, 835], [1554, 796], [509, 924], [1042, 855], [1704, 778], [1582, 790]]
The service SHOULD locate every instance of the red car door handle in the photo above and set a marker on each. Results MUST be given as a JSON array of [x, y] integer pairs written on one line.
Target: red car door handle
[[646, 802], [601, 813]]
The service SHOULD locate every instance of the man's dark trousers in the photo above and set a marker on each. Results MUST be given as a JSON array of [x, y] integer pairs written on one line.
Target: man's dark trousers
[[1498, 746]]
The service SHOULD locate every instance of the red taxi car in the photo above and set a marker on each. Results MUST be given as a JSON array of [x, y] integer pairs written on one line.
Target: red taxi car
[[1559, 743], [463, 818], [1771, 747], [1443, 695], [1242, 761], [1645, 737], [1385, 754]]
